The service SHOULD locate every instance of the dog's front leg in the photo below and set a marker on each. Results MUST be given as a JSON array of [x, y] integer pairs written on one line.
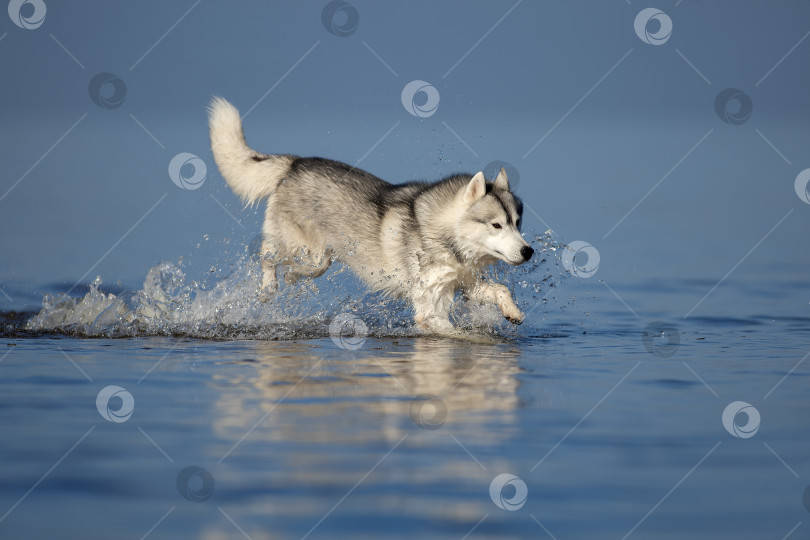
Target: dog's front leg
[[495, 293], [431, 310]]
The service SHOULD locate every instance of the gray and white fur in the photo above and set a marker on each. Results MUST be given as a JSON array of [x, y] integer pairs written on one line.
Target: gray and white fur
[[420, 241]]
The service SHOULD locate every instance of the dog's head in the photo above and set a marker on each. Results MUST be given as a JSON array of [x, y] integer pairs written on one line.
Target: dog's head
[[489, 226]]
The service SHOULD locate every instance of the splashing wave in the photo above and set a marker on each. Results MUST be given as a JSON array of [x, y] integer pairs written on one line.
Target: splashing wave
[[234, 308]]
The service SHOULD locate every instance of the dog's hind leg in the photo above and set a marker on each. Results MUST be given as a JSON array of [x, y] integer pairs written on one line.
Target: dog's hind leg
[[307, 265], [269, 257]]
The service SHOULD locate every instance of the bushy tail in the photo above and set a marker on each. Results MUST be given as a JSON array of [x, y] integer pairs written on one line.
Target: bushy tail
[[253, 176]]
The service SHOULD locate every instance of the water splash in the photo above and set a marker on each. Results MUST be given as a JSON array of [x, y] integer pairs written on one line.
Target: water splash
[[233, 307]]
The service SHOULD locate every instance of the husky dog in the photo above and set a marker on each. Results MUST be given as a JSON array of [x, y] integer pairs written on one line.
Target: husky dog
[[419, 241]]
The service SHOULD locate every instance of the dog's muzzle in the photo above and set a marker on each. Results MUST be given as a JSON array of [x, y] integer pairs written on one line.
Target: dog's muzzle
[[526, 252]]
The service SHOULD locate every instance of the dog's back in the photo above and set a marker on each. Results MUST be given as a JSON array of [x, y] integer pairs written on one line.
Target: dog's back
[[303, 189], [316, 208]]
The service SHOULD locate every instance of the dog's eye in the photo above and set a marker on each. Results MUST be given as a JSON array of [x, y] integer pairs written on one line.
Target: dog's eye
[[496, 225]]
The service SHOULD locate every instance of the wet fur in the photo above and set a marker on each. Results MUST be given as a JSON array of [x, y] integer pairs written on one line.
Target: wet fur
[[420, 241]]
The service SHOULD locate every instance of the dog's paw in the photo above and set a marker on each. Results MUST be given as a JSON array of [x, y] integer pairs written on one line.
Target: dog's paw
[[514, 316], [267, 290], [266, 293], [435, 325]]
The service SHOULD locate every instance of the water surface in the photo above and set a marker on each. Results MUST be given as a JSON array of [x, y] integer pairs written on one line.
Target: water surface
[[403, 436]]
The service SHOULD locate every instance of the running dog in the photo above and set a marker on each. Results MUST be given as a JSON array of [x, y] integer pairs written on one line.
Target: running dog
[[419, 241]]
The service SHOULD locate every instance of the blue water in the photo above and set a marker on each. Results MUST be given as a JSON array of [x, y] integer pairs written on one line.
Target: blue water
[[613, 434], [607, 404]]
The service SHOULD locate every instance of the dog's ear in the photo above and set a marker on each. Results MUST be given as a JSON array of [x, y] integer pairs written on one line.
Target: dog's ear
[[501, 182], [476, 189]]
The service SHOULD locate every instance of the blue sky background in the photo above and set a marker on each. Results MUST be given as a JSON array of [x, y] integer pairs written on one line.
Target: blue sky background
[[617, 116]]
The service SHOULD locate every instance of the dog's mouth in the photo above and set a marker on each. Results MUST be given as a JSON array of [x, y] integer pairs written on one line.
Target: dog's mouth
[[526, 253], [502, 256]]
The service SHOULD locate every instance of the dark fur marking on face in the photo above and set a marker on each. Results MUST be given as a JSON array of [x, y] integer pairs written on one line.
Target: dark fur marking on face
[[518, 207], [505, 207]]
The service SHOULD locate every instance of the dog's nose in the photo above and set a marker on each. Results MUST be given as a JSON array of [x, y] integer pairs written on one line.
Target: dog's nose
[[526, 252]]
